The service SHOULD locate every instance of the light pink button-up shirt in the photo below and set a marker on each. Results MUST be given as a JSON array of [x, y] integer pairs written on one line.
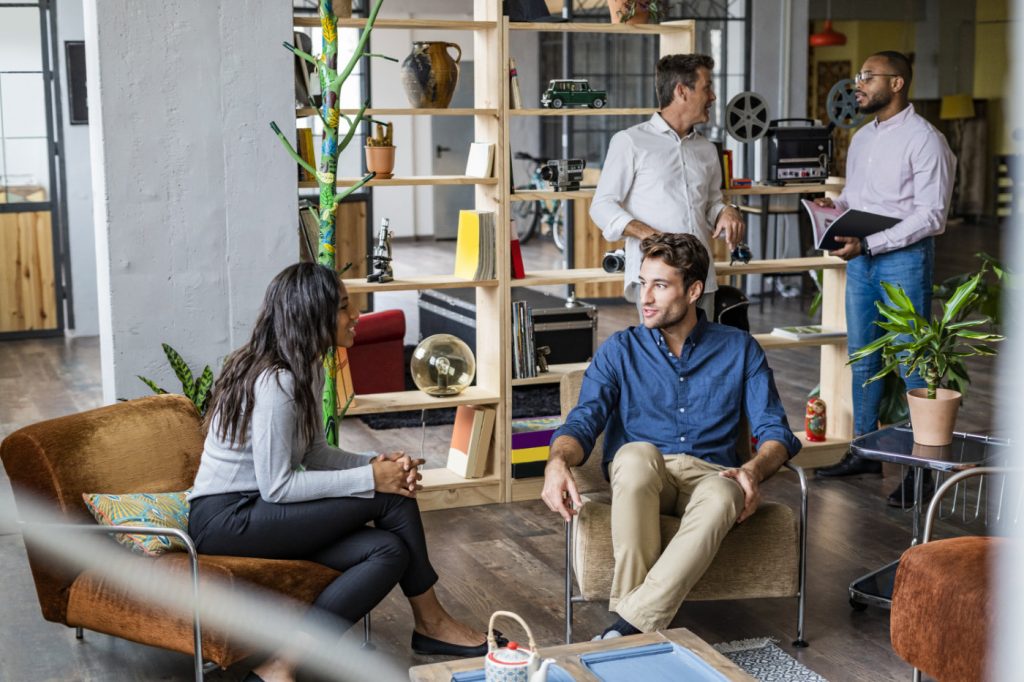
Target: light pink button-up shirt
[[671, 183], [902, 168]]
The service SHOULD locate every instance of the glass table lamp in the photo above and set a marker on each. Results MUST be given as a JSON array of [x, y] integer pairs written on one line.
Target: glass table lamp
[[442, 365]]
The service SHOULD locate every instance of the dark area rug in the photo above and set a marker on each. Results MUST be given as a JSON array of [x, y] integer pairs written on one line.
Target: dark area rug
[[527, 401]]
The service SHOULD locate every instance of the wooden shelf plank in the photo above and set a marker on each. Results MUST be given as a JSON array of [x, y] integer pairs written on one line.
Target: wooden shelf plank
[[308, 20], [374, 403], [756, 190], [628, 29], [399, 111], [553, 375], [606, 111], [409, 181], [361, 286], [536, 278], [527, 489], [815, 455], [772, 341], [548, 195], [441, 491]]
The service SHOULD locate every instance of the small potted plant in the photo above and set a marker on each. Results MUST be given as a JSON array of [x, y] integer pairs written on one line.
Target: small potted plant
[[635, 11], [380, 152], [934, 349]]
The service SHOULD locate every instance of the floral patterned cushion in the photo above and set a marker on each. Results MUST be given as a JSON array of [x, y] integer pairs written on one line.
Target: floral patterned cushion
[[166, 510]]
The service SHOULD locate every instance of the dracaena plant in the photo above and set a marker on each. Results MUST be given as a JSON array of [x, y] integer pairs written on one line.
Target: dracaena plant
[[934, 349], [630, 8], [196, 390]]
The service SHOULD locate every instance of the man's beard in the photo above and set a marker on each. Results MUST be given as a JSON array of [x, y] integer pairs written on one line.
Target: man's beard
[[875, 104]]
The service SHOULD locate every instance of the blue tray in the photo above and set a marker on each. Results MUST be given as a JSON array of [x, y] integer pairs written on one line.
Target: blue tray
[[651, 663], [555, 674]]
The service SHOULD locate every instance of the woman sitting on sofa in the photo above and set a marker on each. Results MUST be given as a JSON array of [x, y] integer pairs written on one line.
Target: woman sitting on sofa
[[270, 486]]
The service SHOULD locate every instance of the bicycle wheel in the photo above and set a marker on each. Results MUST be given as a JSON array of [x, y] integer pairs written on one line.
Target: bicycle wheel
[[558, 232], [527, 217]]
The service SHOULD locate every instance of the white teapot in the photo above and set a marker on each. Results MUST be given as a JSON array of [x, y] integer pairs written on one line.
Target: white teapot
[[513, 663]]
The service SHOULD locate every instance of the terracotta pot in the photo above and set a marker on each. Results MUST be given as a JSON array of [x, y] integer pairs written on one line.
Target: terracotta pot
[[430, 74], [642, 16], [933, 420], [381, 160]]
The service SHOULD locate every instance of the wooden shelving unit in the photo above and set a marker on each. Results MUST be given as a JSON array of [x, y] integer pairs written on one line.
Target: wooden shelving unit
[[491, 117]]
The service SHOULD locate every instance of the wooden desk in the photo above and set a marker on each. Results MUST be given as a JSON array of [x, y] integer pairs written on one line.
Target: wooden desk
[[567, 657]]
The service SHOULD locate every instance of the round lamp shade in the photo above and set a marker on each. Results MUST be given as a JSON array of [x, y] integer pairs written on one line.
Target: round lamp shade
[[442, 365]]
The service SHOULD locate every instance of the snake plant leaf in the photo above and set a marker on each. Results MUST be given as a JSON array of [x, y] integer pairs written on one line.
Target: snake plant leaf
[[203, 389], [182, 371], [152, 385]]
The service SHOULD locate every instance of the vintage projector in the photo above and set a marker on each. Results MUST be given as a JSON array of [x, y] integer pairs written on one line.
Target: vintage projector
[[798, 153], [563, 175]]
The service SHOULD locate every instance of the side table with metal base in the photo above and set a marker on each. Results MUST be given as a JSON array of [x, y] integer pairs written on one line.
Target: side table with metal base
[[896, 444]]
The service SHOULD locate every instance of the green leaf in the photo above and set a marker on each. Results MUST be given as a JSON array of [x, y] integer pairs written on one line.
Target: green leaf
[[152, 385], [203, 389], [181, 370], [960, 299], [898, 297]]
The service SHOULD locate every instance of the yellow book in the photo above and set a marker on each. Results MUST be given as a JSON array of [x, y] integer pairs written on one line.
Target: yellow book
[[467, 250], [537, 454], [306, 151]]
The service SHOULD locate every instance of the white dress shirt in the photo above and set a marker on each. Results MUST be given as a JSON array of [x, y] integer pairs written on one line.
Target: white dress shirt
[[901, 168], [671, 183]]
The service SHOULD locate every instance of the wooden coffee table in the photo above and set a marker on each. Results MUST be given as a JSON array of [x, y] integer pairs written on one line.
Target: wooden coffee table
[[567, 657]]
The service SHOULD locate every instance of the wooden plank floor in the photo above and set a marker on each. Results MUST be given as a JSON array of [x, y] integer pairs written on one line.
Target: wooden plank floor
[[508, 556]]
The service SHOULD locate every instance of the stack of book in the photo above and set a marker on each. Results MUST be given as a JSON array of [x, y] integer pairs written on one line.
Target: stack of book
[[531, 445], [524, 355], [471, 440], [475, 249]]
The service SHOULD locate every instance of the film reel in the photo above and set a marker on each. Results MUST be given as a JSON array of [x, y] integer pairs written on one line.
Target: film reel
[[842, 105], [746, 117]]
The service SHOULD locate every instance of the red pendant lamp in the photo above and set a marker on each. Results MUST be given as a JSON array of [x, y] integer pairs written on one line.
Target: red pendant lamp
[[827, 37]]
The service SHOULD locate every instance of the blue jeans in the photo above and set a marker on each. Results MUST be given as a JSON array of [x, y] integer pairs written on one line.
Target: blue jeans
[[909, 267]]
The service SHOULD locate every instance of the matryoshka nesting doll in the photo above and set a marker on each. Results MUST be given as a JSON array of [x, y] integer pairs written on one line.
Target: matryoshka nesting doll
[[814, 421]]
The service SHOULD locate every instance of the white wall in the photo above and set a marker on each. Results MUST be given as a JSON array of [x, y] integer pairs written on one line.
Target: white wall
[[194, 199], [81, 241]]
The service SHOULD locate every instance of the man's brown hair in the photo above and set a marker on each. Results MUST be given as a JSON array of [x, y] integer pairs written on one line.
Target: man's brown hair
[[678, 68], [684, 252]]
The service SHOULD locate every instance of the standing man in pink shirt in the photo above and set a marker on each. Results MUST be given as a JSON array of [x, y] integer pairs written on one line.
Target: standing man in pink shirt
[[899, 165]]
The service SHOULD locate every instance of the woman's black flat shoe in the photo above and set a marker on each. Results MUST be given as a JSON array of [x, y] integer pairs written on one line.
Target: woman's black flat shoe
[[428, 646]]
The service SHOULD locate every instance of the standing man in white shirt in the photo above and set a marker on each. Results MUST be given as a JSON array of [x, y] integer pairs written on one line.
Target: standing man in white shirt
[[663, 176], [899, 165]]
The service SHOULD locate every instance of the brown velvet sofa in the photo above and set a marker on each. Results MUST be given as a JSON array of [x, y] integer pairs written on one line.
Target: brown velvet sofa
[[147, 445]]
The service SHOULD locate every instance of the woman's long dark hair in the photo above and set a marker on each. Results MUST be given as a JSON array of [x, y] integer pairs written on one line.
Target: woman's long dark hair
[[295, 328]]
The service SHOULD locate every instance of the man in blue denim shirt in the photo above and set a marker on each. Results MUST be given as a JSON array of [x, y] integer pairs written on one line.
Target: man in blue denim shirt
[[669, 396]]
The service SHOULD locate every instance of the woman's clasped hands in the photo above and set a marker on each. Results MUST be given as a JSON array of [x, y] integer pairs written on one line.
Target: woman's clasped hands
[[397, 473]]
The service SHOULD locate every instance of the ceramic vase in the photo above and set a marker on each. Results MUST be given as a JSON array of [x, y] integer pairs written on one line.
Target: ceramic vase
[[641, 16], [430, 74], [815, 420], [933, 420], [381, 160]]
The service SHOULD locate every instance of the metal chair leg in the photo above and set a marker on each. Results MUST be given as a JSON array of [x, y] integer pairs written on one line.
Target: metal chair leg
[[568, 582], [917, 675], [367, 644], [79, 633], [800, 642]]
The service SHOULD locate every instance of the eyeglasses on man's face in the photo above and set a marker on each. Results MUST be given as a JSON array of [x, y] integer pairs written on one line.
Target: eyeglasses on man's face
[[865, 76]]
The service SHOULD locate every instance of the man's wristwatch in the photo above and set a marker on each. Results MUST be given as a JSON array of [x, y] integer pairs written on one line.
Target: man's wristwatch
[[864, 248]]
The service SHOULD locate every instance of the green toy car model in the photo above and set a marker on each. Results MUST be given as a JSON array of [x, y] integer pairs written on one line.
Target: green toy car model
[[572, 93]]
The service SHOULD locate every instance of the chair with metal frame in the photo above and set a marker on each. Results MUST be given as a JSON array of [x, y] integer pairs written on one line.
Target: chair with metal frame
[[943, 602], [766, 556], [147, 445]]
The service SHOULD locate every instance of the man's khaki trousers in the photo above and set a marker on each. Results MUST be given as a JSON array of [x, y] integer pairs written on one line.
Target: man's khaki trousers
[[649, 585]]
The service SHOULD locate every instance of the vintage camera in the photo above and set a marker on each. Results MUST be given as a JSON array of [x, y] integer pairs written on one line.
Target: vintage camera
[[614, 261], [564, 175], [741, 252]]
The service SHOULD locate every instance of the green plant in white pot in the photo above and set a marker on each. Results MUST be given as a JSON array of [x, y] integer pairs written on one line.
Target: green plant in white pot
[[933, 349]]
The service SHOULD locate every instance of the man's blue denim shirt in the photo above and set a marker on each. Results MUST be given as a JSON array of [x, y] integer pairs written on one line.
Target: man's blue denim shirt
[[637, 390]]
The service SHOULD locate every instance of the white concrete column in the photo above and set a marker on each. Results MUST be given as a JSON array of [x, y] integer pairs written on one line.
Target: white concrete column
[[194, 199]]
